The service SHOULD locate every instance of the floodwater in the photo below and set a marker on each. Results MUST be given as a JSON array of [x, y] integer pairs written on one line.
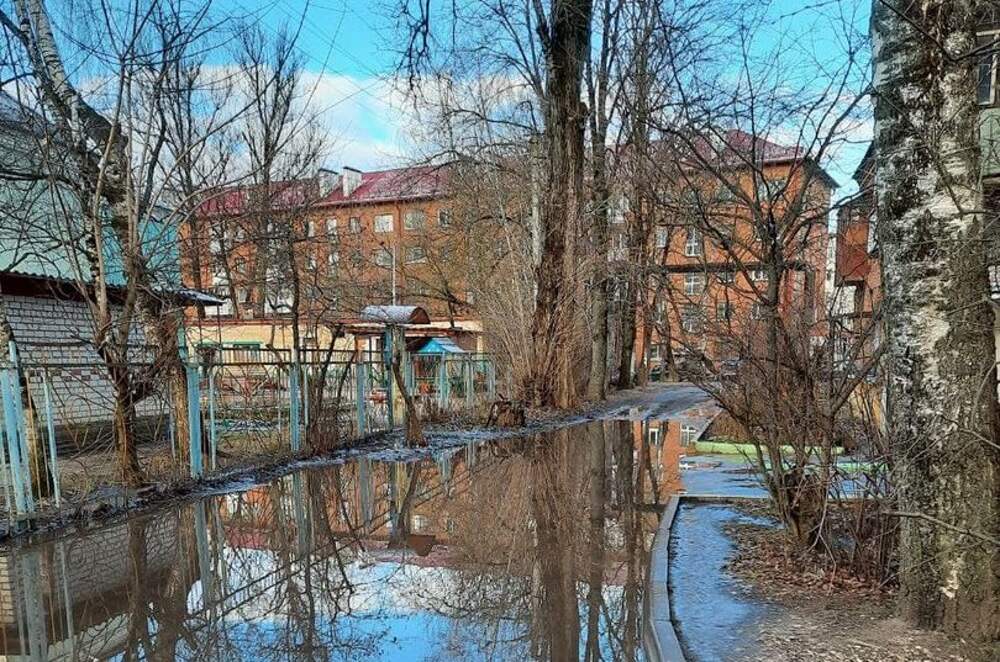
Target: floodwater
[[532, 548]]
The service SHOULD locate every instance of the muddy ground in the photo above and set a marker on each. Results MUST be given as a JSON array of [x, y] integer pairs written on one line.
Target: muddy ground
[[815, 615], [657, 401]]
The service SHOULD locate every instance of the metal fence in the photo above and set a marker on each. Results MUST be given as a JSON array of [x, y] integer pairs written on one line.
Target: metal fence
[[246, 408]]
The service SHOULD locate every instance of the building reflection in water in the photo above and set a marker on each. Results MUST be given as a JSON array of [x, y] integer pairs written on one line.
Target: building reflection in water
[[534, 548]]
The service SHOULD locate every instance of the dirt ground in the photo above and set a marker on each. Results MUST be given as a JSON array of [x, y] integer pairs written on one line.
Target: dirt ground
[[818, 616], [93, 496]]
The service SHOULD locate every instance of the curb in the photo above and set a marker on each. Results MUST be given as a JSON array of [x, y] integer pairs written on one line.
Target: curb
[[659, 638]]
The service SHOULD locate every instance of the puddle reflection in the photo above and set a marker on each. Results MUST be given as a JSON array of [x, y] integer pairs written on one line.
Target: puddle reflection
[[529, 549]]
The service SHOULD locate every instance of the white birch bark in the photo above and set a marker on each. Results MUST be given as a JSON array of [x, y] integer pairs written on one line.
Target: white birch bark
[[941, 409]]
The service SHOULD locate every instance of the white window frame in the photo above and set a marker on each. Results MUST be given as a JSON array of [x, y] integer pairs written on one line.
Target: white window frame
[[694, 284], [380, 223], [416, 260], [409, 217], [691, 323], [689, 434], [694, 243], [444, 218], [726, 277], [382, 257], [725, 306], [758, 275], [757, 310], [662, 237], [331, 225]]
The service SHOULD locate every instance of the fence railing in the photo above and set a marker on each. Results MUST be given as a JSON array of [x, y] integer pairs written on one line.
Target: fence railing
[[59, 440]]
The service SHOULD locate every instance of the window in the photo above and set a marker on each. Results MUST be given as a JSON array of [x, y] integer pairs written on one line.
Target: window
[[310, 228], [654, 436], [661, 237], [354, 224], [661, 312], [334, 257], [414, 220], [654, 353], [724, 311], [727, 277], [331, 225], [691, 319], [693, 244], [382, 257], [444, 218], [757, 311], [383, 223], [470, 298], [419, 523], [415, 254], [758, 274], [694, 284], [618, 210], [986, 69], [240, 265], [689, 434]]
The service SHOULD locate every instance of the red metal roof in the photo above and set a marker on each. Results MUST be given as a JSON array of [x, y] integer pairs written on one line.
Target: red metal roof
[[389, 185], [417, 182]]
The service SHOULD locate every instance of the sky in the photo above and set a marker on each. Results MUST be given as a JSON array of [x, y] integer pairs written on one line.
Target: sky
[[349, 55]]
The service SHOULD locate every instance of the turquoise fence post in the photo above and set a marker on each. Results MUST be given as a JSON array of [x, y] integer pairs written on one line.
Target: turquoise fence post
[[360, 370], [387, 361], [13, 444], [365, 479], [202, 550], [305, 396], [293, 406], [194, 420], [50, 428], [442, 382], [446, 385], [212, 438], [491, 379], [22, 432], [470, 382]]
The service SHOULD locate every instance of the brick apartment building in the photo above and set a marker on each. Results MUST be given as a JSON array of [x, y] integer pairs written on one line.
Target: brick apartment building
[[707, 276], [358, 238], [857, 272]]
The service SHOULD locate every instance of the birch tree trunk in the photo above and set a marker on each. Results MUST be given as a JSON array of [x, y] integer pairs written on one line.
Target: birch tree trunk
[[941, 387]]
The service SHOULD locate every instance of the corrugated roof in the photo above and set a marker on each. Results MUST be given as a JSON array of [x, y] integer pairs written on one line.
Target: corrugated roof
[[389, 185], [398, 184]]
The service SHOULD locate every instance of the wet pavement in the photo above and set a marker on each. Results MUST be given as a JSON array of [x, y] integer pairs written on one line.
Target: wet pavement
[[714, 616], [531, 548]]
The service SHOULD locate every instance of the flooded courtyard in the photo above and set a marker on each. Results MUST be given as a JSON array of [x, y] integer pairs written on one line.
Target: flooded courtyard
[[532, 548]]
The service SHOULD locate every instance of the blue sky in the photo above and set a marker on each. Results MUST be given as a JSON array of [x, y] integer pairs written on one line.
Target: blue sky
[[347, 46]]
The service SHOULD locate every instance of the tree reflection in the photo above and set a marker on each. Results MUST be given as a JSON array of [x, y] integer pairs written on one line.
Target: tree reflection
[[537, 549]]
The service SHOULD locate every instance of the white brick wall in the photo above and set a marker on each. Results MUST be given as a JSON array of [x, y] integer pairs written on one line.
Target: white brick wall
[[58, 334]]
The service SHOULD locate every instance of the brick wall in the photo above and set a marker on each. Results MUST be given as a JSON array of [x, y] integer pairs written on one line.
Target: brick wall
[[53, 338]]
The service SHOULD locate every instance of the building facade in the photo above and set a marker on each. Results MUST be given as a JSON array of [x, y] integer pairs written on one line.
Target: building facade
[[709, 278], [349, 240]]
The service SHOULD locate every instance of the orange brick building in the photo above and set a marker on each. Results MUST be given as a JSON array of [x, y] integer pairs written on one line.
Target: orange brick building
[[357, 238], [857, 276], [709, 280]]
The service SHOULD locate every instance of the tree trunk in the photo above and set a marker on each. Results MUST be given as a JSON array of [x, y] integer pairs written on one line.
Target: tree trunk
[[566, 42], [124, 432], [628, 314], [941, 395], [414, 430]]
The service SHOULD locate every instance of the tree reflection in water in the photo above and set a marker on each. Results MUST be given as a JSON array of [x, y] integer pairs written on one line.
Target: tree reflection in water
[[535, 548]]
